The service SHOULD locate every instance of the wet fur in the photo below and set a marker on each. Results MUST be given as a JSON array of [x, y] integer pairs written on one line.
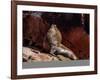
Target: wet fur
[[55, 38]]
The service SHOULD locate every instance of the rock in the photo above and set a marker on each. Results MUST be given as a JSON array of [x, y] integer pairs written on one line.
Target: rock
[[32, 55], [62, 58], [26, 53]]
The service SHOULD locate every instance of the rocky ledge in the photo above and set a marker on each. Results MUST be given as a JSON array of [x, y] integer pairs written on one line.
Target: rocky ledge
[[33, 55]]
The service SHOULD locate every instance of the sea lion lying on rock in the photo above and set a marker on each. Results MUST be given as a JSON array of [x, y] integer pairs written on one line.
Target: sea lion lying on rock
[[55, 38]]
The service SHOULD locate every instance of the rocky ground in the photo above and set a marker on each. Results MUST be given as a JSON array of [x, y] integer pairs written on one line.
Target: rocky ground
[[31, 55]]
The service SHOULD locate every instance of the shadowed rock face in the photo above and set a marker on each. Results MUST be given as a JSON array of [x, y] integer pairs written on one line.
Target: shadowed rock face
[[34, 31], [78, 41], [73, 34]]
